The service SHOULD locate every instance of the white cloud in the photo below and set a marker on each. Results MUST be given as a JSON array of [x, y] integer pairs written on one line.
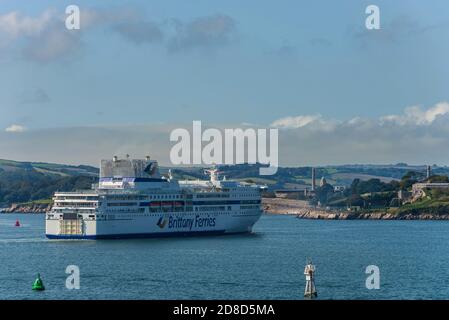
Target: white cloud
[[415, 115], [15, 128], [52, 44], [417, 135], [14, 24], [296, 122], [317, 141], [311, 122], [44, 38]]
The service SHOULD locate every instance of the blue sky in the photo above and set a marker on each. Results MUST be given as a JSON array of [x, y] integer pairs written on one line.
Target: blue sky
[[222, 62]]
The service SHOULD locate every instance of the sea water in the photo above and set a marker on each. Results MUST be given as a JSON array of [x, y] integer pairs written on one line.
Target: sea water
[[412, 257]]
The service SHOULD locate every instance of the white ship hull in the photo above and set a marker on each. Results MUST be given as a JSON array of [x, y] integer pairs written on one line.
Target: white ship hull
[[157, 225]]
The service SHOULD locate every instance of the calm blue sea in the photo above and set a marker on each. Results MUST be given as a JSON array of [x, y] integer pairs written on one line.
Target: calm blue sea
[[413, 257]]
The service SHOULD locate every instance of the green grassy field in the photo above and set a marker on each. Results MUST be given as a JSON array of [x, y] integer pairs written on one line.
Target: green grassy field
[[425, 206]]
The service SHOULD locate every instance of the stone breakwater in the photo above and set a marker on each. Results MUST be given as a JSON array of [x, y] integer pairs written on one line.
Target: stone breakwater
[[302, 210], [27, 208]]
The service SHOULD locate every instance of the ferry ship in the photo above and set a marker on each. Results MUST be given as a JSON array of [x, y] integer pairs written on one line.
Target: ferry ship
[[133, 200]]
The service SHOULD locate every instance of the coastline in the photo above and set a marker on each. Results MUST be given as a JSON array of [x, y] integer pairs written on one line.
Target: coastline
[[277, 206], [28, 208], [302, 210]]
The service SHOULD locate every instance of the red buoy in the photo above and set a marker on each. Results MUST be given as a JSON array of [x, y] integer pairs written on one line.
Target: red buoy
[[17, 223]]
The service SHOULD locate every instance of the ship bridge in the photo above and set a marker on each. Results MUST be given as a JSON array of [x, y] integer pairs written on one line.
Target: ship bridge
[[132, 174]]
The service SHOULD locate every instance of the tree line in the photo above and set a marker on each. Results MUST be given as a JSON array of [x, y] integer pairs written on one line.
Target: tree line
[[29, 185]]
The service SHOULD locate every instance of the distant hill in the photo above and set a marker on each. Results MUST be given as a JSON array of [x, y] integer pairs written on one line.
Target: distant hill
[[30, 181], [47, 168], [302, 176]]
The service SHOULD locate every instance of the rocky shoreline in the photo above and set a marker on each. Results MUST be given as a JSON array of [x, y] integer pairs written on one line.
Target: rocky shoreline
[[27, 208], [302, 210]]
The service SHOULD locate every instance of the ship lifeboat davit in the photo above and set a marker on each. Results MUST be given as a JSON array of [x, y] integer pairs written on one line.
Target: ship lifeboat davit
[[17, 223]]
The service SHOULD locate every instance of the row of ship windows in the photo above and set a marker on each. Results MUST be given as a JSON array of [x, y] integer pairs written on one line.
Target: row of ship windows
[[123, 216], [226, 195], [128, 214], [180, 209], [187, 209], [76, 204], [161, 197], [250, 207], [214, 195], [134, 204], [178, 196], [90, 198], [138, 197], [153, 214], [156, 208]]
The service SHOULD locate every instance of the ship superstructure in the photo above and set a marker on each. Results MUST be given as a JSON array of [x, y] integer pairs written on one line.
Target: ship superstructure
[[133, 200]]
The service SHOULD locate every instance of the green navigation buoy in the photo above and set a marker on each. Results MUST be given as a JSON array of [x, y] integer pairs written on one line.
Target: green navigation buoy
[[38, 285]]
